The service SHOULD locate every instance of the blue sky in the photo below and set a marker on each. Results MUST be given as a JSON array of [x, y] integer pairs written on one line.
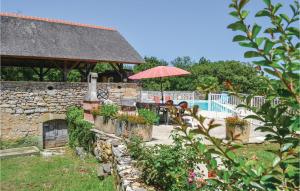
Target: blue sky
[[161, 28]]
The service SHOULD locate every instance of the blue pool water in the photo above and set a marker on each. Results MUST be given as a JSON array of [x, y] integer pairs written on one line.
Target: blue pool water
[[208, 106]]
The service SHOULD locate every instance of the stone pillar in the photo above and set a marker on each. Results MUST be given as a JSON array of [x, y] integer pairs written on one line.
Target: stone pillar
[[90, 101]]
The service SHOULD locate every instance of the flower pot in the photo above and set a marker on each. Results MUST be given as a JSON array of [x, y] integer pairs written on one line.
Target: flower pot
[[105, 124], [122, 129], [142, 130], [238, 133]]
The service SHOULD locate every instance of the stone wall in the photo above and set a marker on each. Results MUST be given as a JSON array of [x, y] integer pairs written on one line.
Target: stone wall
[[26, 105], [112, 152]]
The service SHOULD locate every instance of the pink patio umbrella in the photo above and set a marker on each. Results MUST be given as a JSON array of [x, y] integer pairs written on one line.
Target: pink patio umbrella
[[159, 72]]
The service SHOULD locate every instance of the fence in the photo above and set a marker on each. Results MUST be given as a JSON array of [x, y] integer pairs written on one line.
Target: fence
[[223, 98], [155, 96], [256, 101]]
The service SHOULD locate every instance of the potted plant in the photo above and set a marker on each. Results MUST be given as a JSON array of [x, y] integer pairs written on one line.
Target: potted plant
[[95, 112], [122, 128], [142, 124], [237, 129], [105, 120]]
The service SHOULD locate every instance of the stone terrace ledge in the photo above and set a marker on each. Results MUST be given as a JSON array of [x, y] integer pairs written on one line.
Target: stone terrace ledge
[[112, 150]]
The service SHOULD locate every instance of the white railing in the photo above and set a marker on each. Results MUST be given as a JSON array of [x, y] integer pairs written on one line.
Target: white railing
[[155, 96], [223, 98], [256, 101]]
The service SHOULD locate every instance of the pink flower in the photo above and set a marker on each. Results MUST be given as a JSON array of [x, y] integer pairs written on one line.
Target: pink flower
[[191, 176]]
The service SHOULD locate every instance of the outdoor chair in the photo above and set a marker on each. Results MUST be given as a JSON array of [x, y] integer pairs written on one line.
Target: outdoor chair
[[182, 106]]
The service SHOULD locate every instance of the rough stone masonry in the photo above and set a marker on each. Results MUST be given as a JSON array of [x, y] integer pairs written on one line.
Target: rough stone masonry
[[114, 156], [25, 106]]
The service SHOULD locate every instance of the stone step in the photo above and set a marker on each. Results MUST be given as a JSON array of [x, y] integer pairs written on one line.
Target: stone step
[[22, 151]]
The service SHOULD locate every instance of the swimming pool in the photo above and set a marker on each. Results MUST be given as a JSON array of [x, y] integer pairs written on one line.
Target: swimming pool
[[206, 105]]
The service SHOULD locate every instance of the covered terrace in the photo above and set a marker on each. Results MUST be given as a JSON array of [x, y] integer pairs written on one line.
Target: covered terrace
[[42, 44]]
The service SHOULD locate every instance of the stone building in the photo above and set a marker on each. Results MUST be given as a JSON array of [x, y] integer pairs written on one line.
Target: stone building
[[38, 108]]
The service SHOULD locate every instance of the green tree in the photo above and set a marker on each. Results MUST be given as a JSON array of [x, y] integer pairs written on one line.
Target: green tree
[[54, 75], [102, 67], [208, 84], [183, 62], [18, 74], [74, 76]]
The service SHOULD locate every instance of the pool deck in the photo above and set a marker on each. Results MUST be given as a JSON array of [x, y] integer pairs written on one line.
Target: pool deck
[[161, 134]]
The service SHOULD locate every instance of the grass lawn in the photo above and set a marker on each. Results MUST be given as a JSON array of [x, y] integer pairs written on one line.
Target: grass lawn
[[59, 173], [259, 151]]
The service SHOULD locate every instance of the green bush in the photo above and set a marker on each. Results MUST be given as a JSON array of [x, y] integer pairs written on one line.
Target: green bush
[[166, 167], [21, 142], [109, 111], [149, 116], [135, 146], [79, 129]]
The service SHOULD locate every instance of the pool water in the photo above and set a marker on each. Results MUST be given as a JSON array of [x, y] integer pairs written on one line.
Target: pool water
[[206, 105]]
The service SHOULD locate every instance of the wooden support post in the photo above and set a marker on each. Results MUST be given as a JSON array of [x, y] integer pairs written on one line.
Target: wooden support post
[[65, 72], [41, 74]]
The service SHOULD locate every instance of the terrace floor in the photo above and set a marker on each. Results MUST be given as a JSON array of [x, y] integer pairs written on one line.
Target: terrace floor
[[161, 133]]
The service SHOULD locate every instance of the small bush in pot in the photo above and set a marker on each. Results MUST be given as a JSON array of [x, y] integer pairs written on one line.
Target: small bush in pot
[[109, 111], [122, 129], [135, 119], [150, 117], [142, 124], [237, 129], [95, 112], [105, 119]]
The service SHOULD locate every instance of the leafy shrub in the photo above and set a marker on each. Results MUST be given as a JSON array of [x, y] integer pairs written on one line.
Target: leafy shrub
[[122, 117], [136, 119], [165, 167], [108, 111], [135, 146], [79, 129], [21, 142], [149, 116], [96, 111], [131, 118]]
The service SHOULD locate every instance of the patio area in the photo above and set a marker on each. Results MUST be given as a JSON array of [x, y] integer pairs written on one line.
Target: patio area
[[162, 134]]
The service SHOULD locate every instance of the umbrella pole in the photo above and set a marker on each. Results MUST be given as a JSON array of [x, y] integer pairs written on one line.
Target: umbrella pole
[[162, 92]]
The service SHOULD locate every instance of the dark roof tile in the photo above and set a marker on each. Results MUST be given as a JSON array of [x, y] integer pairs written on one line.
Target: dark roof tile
[[25, 36]]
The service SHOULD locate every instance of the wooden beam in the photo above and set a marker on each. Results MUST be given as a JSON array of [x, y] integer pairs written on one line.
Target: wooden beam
[[65, 72], [116, 68], [41, 75], [34, 70], [48, 69]]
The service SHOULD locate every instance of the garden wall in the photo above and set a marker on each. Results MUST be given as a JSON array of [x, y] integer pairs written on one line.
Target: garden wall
[[112, 152], [26, 105]]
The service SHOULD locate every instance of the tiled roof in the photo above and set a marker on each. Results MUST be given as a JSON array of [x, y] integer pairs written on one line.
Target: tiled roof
[[54, 21], [25, 36]]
